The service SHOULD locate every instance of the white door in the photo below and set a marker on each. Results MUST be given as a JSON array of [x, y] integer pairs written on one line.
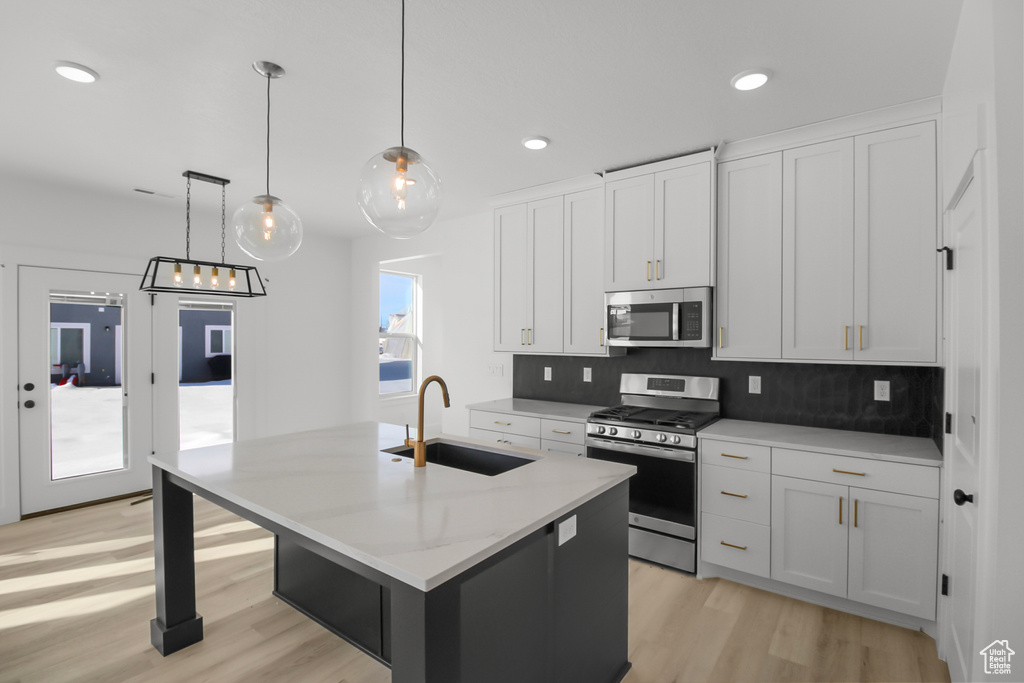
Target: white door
[[809, 534], [544, 264], [510, 256], [88, 437], [963, 373], [894, 544], [682, 227], [583, 278], [749, 295], [817, 251], [629, 235]]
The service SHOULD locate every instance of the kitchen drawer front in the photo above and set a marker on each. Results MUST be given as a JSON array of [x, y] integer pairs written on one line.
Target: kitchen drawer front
[[740, 494], [487, 435], [560, 430], [509, 424], [504, 438], [561, 448], [749, 545], [742, 456], [867, 473], [523, 441]]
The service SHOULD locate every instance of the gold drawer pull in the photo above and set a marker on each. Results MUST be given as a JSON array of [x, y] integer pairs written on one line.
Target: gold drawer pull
[[846, 336], [840, 510], [735, 495], [561, 431], [600, 337], [522, 336], [738, 547], [856, 474], [656, 264], [860, 336], [719, 336], [503, 424], [648, 271], [738, 457], [855, 501]]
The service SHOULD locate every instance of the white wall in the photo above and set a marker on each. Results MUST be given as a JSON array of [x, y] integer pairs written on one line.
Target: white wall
[[292, 347], [982, 109], [457, 259]]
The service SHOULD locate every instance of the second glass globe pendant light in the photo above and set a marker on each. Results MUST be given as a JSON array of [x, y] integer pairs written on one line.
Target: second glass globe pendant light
[[265, 227], [398, 192]]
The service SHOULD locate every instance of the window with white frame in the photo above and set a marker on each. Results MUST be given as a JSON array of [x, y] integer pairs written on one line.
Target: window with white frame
[[218, 340], [399, 326], [70, 344]]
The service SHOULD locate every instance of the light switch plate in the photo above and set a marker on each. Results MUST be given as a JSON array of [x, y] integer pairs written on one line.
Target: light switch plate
[[547, 374], [587, 375], [881, 390], [754, 384], [566, 530]]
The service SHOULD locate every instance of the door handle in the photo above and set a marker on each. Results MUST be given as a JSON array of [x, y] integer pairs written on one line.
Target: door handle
[[657, 263], [648, 271], [32, 404], [959, 497]]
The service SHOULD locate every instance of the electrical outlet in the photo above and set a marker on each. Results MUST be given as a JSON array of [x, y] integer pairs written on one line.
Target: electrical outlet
[[754, 384], [547, 374], [496, 370], [587, 375], [881, 390], [566, 530]]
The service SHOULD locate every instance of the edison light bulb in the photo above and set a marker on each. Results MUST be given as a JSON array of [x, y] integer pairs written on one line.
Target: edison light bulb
[[177, 275], [197, 280], [268, 220], [231, 279], [214, 280]]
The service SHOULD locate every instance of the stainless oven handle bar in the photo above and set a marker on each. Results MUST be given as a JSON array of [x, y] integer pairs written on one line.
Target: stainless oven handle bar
[[681, 455]]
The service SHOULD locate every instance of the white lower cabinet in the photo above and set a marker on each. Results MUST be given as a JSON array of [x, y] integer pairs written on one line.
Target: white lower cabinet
[[505, 438]]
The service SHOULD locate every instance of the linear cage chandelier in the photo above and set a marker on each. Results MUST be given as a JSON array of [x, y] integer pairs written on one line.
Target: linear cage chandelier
[[167, 274]]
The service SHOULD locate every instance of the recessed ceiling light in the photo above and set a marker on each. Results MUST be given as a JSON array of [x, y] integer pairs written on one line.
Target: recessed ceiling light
[[76, 72], [750, 80], [535, 142]]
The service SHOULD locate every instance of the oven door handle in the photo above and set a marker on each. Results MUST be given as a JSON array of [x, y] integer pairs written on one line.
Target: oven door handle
[[682, 455]]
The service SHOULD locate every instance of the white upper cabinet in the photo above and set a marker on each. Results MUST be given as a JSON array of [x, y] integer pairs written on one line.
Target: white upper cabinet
[[817, 251], [748, 297], [510, 278], [658, 225], [896, 233], [583, 225]]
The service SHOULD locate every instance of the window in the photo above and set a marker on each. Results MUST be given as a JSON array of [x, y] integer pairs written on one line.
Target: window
[[399, 333], [218, 340], [70, 344]]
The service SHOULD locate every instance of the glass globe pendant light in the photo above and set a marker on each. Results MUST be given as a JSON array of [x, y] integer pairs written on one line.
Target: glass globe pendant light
[[398, 192], [265, 227]]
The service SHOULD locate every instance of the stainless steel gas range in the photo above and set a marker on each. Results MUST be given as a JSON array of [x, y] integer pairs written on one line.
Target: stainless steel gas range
[[655, 428]]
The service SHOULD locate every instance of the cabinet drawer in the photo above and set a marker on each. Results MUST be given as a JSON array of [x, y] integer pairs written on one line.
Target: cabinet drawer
[[561, 448], [504, 422], [505, 439], [560, 430], [743, 456], [879, 475], [740, 494], [736, 544], [487, 435]]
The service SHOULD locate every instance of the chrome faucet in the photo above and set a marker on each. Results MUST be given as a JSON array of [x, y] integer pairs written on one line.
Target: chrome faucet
[[418, 446]]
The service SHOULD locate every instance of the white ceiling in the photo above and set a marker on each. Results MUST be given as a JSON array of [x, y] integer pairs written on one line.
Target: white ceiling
[[613, 83]]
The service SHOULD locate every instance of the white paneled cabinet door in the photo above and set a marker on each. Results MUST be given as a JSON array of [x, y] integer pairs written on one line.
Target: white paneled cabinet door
[[896, 285], [817, 251], [583, 227], [893, 550], [809, 536], [544, 309], [749, 295], [510, 278], [682, 227], [629, 234]]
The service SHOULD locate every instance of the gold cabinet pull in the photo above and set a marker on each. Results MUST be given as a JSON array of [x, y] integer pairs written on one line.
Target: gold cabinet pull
[[840, 510], [561, 431], [738, 547], [503, 424], [738, 457], [522, 336], [657, 263], [846, 337], [855, 501], [719, 336], [735, 495], [600, 337], [860, 336], [856, 474], [648, 271]]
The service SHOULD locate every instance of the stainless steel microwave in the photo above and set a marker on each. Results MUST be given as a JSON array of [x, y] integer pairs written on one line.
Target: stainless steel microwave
[[661, 317]]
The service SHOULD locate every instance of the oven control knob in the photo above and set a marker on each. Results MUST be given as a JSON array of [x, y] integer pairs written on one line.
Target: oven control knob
[[676, 439], [600, 430], [662, 438], [613, 431], [636, 433]]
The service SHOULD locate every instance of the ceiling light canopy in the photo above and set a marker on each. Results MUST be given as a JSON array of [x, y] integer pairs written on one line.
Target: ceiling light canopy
[[750, 80], [76, 72], [535, 142]]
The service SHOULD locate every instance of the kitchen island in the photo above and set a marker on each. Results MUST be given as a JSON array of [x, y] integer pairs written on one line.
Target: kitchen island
[[442, 574]]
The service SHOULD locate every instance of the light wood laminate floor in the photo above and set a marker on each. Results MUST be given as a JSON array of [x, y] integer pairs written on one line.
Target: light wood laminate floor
[[76, 597]]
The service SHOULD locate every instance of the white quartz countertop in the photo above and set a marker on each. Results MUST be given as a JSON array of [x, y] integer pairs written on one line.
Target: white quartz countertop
[[421, 526], [573, 412], [909, 449]]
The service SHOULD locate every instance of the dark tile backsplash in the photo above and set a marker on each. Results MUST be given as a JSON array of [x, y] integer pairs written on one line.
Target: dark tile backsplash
[[806, 394]]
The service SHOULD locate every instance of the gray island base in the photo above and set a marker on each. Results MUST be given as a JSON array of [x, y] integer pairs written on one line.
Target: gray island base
[[535, 610]]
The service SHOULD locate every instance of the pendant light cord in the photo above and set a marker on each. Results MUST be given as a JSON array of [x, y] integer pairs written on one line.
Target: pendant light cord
[[268, 132], [403, 76]]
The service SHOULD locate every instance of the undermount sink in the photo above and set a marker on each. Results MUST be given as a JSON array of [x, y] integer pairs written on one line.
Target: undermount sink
[[460, 457]]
